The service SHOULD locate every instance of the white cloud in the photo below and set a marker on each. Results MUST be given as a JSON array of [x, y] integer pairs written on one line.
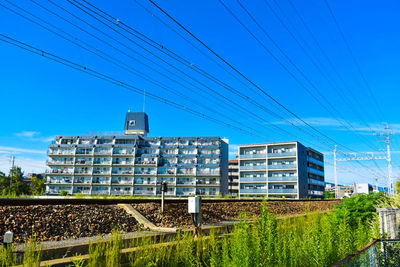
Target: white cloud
[[29, 134], [34, 136], [27, 164], [15, 150]]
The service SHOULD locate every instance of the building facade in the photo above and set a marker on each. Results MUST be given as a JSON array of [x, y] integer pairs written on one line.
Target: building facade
[[233, 177], [277, 170], [136, 164]]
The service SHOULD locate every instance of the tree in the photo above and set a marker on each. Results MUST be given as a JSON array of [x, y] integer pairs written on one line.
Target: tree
[[37, 186], [398, 186]]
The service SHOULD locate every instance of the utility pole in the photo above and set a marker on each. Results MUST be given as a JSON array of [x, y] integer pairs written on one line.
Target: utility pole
[[12, 158], [335, 173], [387, 139]]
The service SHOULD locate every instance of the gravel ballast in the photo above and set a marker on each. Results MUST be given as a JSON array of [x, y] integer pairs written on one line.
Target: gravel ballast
[[176, 215], [53, 223]]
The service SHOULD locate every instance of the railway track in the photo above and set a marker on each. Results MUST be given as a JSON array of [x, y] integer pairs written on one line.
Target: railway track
[[114, 201]]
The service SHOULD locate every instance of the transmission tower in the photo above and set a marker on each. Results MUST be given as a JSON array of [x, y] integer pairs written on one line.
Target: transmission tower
[[387, 139]]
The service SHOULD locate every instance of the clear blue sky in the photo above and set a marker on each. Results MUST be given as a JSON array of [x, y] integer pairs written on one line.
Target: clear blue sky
[[41, 98]]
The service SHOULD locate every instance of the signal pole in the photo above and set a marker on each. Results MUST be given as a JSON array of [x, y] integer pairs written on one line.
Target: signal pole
[[387, 134]]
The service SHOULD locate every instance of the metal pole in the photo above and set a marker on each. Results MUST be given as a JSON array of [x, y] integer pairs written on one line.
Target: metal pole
[[391, 189], [335, 173], [162, 202]]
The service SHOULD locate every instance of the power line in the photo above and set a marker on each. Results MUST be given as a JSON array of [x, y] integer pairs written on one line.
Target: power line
[[354, 59], [245, 77], [303, 75], [330, 63], [114, 81]]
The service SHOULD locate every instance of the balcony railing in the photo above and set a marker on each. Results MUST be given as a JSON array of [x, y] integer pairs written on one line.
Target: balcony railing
[[59, 162], [282, 178], [144, 192], [122, 172], [316, 161], [185, 183], [145, 172], [103, 152], [59, 171], [252, 156], [282, 154], [253, 191], [253, 179], [61, 152], [282, 190], [83, 172], [123, 162], [282, 166], [250, 168], [316, 182], [207, 172], [316, 192], [315, 171]]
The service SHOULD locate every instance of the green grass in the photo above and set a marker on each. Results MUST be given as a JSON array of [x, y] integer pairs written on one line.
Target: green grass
[[314, 239]]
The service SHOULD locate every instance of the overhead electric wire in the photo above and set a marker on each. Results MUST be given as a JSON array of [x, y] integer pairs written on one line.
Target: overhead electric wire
[[117, 62], [303, 75], [354, 60], [315, 61], [323, 52], [114, 81], [227, 87], [247, 79]]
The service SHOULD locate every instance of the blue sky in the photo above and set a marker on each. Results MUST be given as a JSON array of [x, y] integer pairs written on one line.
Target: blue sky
[[41, 98]]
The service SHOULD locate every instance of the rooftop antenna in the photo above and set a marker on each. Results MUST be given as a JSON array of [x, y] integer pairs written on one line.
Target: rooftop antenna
[[144, 99]]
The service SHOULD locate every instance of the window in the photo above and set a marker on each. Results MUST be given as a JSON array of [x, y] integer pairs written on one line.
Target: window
[[132, 123]]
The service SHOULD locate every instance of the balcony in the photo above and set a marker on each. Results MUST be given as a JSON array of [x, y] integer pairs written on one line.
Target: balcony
[[253, 179], [282, 155], [315, 171], [60, 152], [166, 172], [206, 183], [123, 172], [59, 162], [59, 171], [314, 192], [185, 183], [102, 152], [253, 191], [282, 178], [208, 172], [97, 162], [185, 172], [253, 156], [82, 181], [253, 168], [315, 161], [316, 182], [145, 172], [85, 172], [283, 191], [145, 162], [123, 162], [83, 162], [282, 167], [101, 172]]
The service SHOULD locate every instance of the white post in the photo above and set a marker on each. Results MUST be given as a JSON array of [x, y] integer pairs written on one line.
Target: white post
[[335, 173]]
